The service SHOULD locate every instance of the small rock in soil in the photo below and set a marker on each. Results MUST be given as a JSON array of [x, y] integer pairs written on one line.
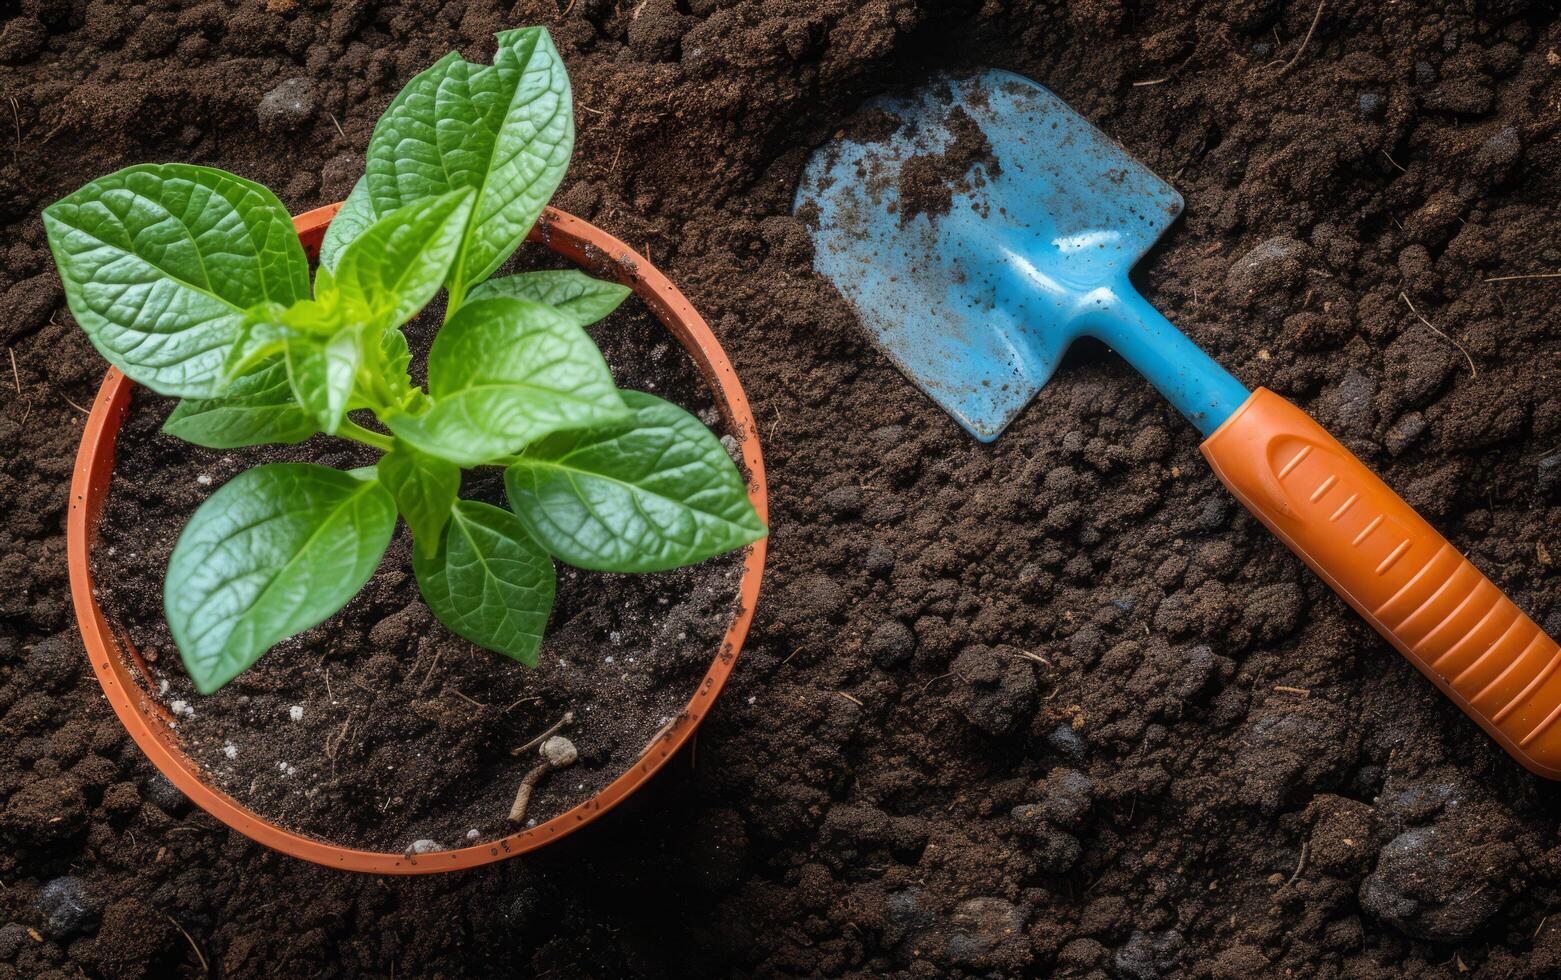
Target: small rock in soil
[[843, 501], [980, 924], [907, 912], [879, 560], [1146, 956], [1404, 432], [68, 906], [1438, 884], [1067, 743], [1548, 473], [1495, 160], [286, 107], [1274, 266], [159, 790]]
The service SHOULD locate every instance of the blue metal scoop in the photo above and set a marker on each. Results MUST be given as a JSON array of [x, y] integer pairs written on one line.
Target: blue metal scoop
[[978, 304]]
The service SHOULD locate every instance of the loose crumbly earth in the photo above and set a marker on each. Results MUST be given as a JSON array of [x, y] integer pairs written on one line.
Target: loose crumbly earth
[[1049, 706], [413, 740]]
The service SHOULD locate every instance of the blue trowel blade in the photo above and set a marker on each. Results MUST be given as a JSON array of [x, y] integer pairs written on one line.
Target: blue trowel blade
[[977, 303]]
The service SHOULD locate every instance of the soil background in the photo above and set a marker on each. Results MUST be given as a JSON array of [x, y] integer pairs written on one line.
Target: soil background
[[1099, 722]]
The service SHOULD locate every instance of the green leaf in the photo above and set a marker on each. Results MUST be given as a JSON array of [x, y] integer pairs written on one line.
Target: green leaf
[[274, 551], [398, 356], [256, 408], [488, 581], [654, 494], [397, 264], [322, 374], [505, 129], [354, 218], [425, 488], [570, 291], [160, 261], [504, 372]]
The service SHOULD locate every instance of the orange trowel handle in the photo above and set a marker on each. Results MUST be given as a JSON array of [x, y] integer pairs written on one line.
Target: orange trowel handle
[[1398, 572]]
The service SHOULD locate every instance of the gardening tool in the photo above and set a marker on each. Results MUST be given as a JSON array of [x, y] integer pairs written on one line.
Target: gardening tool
[[977, 296]]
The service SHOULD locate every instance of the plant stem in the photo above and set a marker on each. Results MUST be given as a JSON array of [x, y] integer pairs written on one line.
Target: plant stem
[[357, 433], [456, 297]]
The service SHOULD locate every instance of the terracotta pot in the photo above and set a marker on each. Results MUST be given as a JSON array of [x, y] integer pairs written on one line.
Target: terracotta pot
[[123, 674]]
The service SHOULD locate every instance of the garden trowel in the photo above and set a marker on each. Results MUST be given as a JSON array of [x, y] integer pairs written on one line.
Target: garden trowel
[[976, 290]]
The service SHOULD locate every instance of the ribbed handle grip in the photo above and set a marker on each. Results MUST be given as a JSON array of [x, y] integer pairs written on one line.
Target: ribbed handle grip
[[1398, 572]]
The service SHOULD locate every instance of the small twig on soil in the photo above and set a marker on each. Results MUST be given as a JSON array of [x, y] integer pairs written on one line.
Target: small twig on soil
[[1532, 275], [16, 377], [1030, 655], [74, 405], [1302, 691], [337, 125], [1152, 81], [567, 7], [557, 752], [16, 117], [935, 679], [1307, 39], [205, 966], [515, 704], [430, 675], [1299, 865], [853, 700], [1393, 161], [1473, 372], [590, 110], [472, 701], [568, 718]]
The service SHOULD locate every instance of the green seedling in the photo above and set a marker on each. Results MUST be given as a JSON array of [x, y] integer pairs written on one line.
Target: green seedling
[[192, 282]]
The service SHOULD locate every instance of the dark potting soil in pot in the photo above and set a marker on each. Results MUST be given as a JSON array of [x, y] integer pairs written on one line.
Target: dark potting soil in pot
[[379, 727], [1137, 802]]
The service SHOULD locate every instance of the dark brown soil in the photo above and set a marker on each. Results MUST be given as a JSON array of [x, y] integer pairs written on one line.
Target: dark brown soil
[[405, 731], [929, 181], [1213, 768]]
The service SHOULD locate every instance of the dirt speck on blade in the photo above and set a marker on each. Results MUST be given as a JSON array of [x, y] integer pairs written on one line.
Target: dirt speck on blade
[[1103, 713], [930, 181]]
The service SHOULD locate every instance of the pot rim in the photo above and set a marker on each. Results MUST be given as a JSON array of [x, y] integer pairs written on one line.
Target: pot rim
[[116, 663]]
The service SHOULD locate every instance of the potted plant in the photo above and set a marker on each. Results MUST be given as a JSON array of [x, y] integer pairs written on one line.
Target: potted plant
[[195, 284]]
